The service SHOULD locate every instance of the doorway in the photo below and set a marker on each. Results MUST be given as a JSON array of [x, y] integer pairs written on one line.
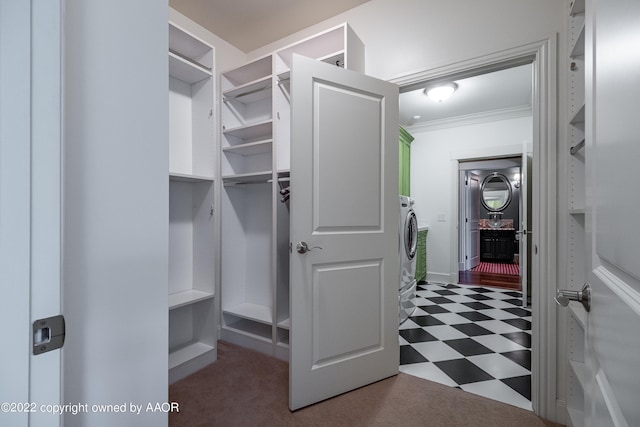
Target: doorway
[[489, 222], [541, 57]]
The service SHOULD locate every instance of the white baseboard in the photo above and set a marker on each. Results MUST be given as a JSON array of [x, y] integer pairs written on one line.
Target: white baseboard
[[440, 277]]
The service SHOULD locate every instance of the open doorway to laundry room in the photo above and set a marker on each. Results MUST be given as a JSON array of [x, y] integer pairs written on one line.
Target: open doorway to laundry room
[[470, 334]]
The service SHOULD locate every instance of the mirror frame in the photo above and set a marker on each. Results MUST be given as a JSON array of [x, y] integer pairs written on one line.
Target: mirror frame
[[509, 195]]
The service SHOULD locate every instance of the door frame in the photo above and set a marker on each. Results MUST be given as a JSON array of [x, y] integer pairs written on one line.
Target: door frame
[[542, 54], [31, 177], [464, 194]]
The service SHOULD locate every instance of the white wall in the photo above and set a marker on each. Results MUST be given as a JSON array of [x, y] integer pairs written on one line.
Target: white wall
[[116, 209], [405, 36], [433, 167]]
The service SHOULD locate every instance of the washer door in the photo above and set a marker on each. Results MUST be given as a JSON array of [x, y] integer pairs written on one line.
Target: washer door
[[411, 234]]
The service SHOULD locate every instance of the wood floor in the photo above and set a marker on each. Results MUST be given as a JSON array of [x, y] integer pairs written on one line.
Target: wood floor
[[489, 279]]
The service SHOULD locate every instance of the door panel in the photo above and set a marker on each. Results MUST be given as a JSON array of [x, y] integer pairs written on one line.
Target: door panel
[[30, 210], [15, 206], [345, 163], [344, 187], [524, 230], [473, 216], [612, 338]]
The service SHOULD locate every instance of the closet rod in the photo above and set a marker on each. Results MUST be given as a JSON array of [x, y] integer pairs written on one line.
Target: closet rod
[[234, 183], [577, 147]]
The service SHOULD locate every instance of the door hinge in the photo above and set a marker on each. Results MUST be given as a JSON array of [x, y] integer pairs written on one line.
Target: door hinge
[[48, 334]]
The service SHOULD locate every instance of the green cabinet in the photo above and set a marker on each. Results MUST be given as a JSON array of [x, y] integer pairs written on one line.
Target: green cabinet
[[421, 256], [404, 181]]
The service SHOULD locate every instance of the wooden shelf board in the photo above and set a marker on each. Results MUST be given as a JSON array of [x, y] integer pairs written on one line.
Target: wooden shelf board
[[191, 296], [175, 176], [251, 148], [255, 312], [252, 131], [188, 352], [186, 71]]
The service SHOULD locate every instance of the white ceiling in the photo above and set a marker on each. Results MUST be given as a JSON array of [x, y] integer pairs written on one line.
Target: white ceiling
[[499, 91], [250, 24]]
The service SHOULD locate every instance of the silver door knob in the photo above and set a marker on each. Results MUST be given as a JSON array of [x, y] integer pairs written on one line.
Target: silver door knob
[[583, 296], [303, 248]]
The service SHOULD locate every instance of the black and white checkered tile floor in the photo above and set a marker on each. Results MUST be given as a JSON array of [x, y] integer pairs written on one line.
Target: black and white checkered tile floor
[[474, 338]]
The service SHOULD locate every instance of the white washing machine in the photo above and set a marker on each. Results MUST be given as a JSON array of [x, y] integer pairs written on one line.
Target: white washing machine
[[408, 245]]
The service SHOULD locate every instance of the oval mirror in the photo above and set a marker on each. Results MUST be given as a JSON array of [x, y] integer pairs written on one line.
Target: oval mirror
[[496, 192]]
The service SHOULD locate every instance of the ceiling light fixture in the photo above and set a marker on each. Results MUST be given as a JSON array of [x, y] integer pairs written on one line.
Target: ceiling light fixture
[[440, 92]]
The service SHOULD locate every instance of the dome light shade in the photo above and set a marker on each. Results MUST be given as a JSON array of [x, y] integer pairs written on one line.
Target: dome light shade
[[440, 92]]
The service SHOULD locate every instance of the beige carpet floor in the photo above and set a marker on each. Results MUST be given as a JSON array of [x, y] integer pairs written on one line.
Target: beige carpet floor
[[246, 388]]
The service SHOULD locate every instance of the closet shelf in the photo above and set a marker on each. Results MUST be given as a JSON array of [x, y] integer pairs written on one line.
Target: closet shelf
[[250, 92], [191, 296], [250, 148], [252, 131], [581, 372], [255, 312], [187, 44], [576, 416], [333, 58], [250, 72], [576, 7], [578, 47], [188, 352], [176, 176], [336, 58], [580, 211], [578, 312], [578, 117], [285, 324], [187, 71], [247, 178]]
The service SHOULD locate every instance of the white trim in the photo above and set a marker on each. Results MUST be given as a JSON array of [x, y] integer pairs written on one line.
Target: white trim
[[513, 150], [543, 55], [625, 292], [472, 119], [440, 277]]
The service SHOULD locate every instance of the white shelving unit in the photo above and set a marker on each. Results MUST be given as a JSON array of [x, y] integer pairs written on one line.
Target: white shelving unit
[[192, 309], [576, 191], [255, 164]]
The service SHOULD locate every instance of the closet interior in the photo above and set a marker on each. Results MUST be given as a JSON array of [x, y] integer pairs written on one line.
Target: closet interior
[[192, 231], [255, 172]]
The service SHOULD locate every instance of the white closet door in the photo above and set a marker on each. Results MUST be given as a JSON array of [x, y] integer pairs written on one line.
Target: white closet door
[[612, 367], [344, 192]]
